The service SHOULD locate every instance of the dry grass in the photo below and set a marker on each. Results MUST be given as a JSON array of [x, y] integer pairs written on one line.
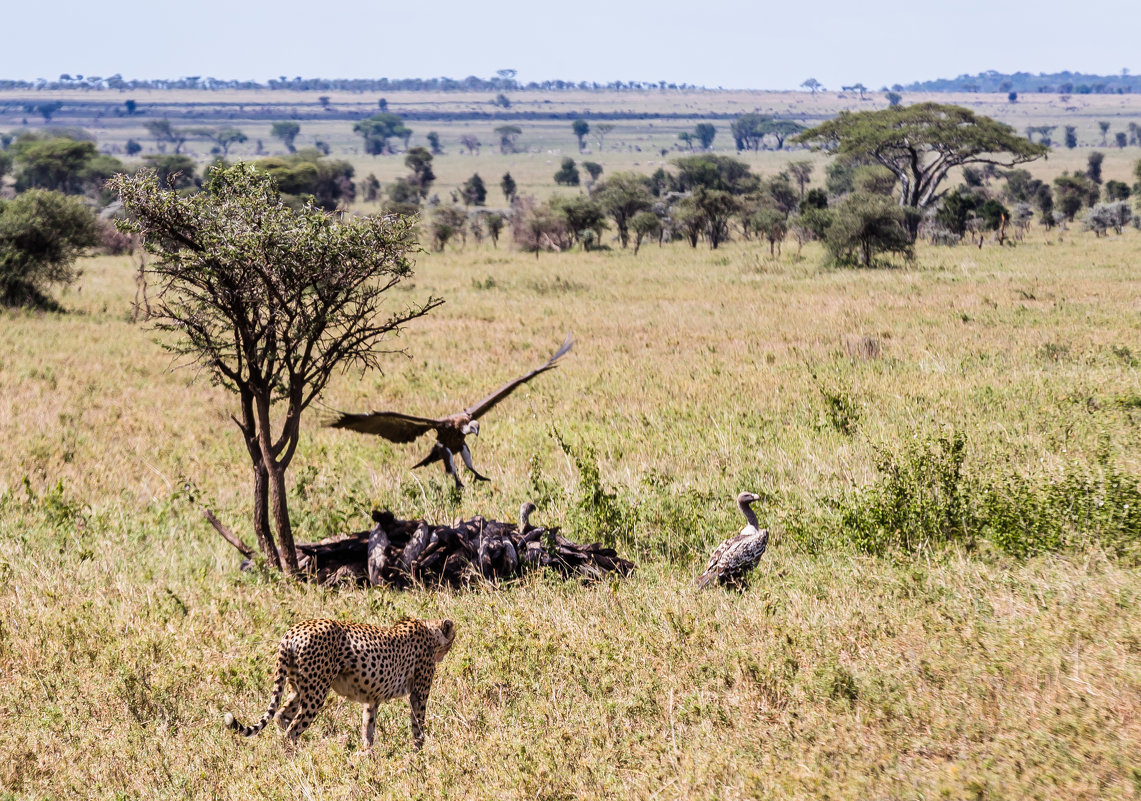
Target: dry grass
[[128, 631]]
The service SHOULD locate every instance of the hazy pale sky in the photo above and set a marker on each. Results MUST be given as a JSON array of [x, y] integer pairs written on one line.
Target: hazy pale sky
[[755, 45]]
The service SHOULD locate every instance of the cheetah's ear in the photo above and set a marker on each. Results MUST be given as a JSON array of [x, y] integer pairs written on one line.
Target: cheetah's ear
[[448, 628]]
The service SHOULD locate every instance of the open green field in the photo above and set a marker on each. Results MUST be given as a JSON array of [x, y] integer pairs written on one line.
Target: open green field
[[950, 672]]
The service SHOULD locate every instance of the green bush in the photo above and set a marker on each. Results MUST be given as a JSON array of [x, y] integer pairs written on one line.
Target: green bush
[[924, 498], [41, 235], [917, 503]]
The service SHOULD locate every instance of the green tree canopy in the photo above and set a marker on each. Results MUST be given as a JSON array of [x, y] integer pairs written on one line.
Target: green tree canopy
[[271, 302], [378, 129], [174, 170], [593, 169], [164, 133], [622, 196], [921, 144], [508, 137], [286, 131], [306, 175], [705, 134], [863, 226], [227, 138], [494, 224], [508, 187], [1075, 190], [644, 224], [581, 128], [41, 235], [748, 130], [957, 209], [474, 191], [567, 174], [61, 164], [723, 173], [419, 161], [582, 214]]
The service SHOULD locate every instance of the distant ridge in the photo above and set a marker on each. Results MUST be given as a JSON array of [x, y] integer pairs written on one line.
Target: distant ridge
[[1063, 83]]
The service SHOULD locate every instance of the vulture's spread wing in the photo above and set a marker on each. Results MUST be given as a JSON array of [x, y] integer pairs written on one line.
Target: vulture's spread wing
[[495, 397], [393, 426]]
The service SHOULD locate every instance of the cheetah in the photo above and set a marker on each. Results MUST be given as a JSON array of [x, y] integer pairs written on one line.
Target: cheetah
[[360, 661]]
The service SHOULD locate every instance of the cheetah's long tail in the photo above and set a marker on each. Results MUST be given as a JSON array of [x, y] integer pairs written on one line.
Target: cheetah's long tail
[[278, 688]]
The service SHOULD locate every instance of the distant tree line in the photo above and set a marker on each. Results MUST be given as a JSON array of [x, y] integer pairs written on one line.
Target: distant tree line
[[1064, 83], [471, 83]]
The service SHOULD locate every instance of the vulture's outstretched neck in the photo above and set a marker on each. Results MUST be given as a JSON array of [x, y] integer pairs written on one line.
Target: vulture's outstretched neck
[[747, 511]]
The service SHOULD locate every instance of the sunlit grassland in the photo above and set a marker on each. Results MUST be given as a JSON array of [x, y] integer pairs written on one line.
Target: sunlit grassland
[[128, 630]]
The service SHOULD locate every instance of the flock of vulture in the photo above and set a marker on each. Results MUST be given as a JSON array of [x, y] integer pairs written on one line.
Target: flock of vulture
[[400, 551]]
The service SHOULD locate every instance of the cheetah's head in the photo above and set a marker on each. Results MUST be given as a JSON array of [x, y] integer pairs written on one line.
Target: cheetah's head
[[445, 631]]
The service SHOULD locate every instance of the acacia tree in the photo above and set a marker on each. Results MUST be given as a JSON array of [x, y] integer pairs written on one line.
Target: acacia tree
[[474, 191], [508, 136], [581, 128], [863, 226], [164, 133], [705, 133], [622, 196], [378, 129], [471, 143], [801, 172], [921, 144], [601, 130], [748, 130], [286, 131], [419, 160], [644, 224], [509, 188], [567, 174], [227, 138], [270, 301]]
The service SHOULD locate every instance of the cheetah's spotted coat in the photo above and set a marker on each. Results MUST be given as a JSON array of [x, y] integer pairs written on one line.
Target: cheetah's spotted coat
[[362, 662]]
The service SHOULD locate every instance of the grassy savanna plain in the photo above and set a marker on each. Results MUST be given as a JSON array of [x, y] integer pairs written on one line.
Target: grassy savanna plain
[[954, 672], [944, 671], [635, 143]]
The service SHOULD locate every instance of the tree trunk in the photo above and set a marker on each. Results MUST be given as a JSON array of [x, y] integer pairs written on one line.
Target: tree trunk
[[281, 516], [262, 531], [275, 471], [261, 515]]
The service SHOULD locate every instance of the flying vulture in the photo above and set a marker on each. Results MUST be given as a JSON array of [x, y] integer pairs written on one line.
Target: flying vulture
[[736, 556], [451, 431]]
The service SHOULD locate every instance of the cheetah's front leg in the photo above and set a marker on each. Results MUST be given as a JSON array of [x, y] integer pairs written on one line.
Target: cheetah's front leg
[[418, 704], [368, 726]]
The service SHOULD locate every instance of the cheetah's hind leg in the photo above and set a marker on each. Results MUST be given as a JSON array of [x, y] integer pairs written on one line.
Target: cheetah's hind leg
[[289, 710]]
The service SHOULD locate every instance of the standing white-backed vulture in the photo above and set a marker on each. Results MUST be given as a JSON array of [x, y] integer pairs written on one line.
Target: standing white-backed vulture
[[736, 556], [451, 431]]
